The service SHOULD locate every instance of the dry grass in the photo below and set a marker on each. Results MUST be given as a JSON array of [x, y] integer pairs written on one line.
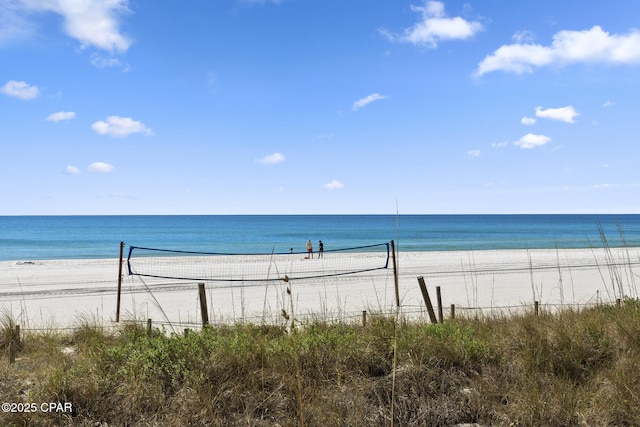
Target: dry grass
[[572, 368]]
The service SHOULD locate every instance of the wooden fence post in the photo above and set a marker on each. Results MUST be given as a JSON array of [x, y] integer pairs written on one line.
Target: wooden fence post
[[12, 352], [427, 300], [536, 307], [149, 327], [439, 298], [453, 311], [203, 305], [364, 318], [119, 283]]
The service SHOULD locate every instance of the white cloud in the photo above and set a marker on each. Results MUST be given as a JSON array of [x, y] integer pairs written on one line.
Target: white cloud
[[367, 100], [100, 61], [516, 58], [272, 159], [499, 144], [608, 104], [91, 22], [14, 25], [563, 114], [474, 153], [531, 140], [528, 121], [61, 115], [22, 90], [435, 27], [523, 36], [567, 47], [72, 170], [120, 126], [100, 167], [334, 185]]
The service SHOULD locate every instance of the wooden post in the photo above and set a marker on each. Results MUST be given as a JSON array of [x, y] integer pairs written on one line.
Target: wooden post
[[536, 307], [364, 318], [12, 352], [17, 335], [203, 305], [439, 298], [149, 333], [453, 311], [119, 283], [618, 302], [427, 300], [395, 272]]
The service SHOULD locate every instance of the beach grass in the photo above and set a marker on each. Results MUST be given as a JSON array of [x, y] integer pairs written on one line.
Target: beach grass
[[570, 368]]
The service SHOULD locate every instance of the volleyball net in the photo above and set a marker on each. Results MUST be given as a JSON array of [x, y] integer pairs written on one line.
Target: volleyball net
[[228, 267]]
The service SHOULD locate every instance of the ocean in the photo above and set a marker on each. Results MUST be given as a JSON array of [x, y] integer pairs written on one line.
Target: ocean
[[93, 237]]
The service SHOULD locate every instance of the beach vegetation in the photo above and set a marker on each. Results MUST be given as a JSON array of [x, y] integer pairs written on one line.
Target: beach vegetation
[[570, 367]]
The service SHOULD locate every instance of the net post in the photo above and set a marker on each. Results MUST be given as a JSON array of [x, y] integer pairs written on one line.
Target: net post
[[119, 282], [395, 273]]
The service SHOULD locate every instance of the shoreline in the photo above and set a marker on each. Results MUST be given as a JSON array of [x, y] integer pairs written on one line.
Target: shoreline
[[399, 250], [61, 293]]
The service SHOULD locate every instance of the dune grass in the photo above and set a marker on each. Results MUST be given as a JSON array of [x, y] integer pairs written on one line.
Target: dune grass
[[571, 368]]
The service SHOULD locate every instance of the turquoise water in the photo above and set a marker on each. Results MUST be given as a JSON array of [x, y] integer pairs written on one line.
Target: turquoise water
[[73, 237]]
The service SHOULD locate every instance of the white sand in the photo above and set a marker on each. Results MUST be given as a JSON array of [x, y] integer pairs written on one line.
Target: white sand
[[63, 293]]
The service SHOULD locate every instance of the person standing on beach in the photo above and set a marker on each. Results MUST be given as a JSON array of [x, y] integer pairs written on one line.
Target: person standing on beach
[[320, 248], [310, 249]]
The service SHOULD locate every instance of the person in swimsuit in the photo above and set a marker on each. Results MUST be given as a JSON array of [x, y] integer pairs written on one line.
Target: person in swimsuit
[[310, 249]]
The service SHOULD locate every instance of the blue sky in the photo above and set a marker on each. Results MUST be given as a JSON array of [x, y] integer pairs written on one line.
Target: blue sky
[[319, 106]]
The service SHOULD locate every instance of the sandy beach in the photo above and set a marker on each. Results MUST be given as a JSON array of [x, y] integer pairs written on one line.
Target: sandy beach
[[63, 293]]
